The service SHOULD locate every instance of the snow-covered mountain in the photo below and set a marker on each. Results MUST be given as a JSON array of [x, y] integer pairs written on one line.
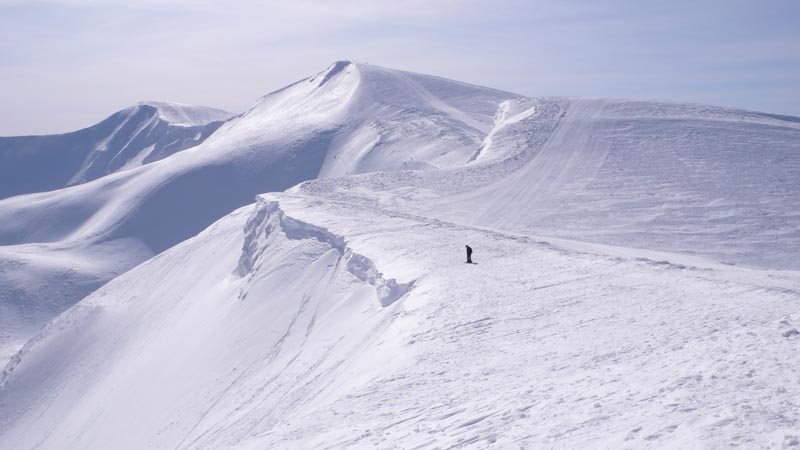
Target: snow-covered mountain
[[58, 246], [691, 179], [138, 135], [635, 284]]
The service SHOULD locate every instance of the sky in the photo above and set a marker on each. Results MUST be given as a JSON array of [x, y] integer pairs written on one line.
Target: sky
[[67, 64]]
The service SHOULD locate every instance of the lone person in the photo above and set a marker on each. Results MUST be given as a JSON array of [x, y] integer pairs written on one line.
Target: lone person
[[469, 254]]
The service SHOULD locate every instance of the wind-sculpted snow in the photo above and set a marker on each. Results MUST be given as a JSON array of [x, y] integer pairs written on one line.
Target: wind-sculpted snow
[[269, 218], [520, 128]]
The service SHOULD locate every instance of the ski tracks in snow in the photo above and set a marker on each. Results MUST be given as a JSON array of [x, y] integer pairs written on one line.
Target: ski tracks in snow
[[572, 153]]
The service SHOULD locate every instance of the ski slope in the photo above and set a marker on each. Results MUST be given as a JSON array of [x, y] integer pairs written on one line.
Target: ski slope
[[636, 284]]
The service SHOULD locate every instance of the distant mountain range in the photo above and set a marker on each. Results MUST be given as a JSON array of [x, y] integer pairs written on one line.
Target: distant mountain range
[[141, 134]]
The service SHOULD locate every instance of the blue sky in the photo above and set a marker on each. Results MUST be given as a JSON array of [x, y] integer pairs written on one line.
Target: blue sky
[[66, 64]]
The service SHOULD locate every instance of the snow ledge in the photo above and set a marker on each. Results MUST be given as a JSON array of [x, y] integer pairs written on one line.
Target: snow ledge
[[268, 218]]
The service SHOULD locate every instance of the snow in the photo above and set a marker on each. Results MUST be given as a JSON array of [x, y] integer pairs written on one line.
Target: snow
[[186, 115], [635, 285], [137, 135], [535, 345], [307, 130], [705, 181]]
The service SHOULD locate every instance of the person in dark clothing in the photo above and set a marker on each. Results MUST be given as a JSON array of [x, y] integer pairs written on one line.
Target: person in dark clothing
[[469, 254]]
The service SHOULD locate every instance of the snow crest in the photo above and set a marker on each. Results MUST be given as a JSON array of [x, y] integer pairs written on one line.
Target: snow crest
[[268, 219]]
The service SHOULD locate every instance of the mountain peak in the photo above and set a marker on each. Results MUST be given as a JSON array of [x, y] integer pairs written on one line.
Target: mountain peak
[[183, 115], [334, 69]]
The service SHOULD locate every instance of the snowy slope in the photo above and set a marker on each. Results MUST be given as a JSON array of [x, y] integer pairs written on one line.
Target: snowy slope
[[347, 119], [129, 138], [339, 313], [350, 118], [701, 180], [296, 323], [685, 178]]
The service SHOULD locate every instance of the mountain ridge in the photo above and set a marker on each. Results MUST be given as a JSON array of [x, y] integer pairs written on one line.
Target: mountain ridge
[[160, 307], [291, 135], [133, 136]]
